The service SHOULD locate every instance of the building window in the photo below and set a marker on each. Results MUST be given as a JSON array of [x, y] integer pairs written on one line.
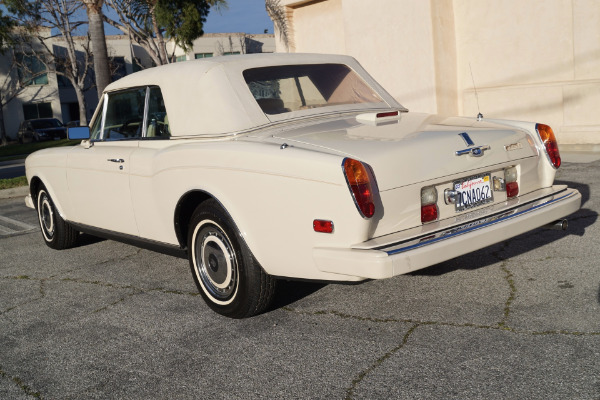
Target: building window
[[203, 55], [137, 64], [32, 71], [70, 111], [180, 58], [117, 68], [230, 53], [63, 81], [37, 110]]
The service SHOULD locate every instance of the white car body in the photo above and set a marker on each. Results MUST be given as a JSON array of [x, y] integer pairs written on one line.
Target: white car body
[[275, 174]]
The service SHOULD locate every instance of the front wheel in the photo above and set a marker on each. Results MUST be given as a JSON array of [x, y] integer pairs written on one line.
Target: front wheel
[[228, 276], [57, 233]]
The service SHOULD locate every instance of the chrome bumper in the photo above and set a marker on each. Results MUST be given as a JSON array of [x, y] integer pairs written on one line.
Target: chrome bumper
[[29, 201], [418, 252]]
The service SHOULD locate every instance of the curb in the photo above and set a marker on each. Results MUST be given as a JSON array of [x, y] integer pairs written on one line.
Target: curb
[[20, 191]]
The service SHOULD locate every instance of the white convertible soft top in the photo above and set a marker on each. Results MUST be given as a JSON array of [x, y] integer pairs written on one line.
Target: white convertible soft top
[[210, 96]]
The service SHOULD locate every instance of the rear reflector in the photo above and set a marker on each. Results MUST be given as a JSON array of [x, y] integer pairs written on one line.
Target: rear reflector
[[359, 182], [512, 189], [323, 226], [429, 213], [550, 144]]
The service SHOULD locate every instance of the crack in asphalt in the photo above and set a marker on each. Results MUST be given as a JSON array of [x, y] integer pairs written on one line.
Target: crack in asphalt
[[136, 290], [501, 325], [509, 278], [378, 362], [438, 323], [350, 391], [41, 291], [19, 382], [415, 324], [122, 299]]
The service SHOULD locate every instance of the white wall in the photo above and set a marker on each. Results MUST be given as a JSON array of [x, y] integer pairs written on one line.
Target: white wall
[[531, 60]]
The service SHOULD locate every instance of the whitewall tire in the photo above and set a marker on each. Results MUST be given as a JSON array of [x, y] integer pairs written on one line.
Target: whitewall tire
[[57, 233], [228, 276]]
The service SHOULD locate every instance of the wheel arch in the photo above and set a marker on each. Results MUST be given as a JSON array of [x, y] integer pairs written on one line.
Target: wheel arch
[[184, 209], [34, 186], [35, 183]]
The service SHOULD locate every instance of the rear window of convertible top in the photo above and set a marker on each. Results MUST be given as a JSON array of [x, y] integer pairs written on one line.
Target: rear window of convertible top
[[286, 88]]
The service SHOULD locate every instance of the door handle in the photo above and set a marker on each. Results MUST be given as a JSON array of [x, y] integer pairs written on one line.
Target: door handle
[[117, 160]]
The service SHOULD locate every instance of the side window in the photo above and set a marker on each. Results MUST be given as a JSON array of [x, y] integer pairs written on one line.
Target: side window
[[125, 114], [157, 123]]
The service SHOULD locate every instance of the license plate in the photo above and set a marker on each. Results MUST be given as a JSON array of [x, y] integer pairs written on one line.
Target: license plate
[[472, 192]]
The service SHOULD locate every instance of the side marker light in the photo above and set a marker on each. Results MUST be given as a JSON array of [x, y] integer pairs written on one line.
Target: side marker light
[[323, 226]]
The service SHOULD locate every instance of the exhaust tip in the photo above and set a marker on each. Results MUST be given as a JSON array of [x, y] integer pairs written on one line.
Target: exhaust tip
[[560, 225]]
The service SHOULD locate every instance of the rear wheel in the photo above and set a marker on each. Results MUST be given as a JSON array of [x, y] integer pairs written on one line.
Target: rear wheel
[[57, 233], [228, 276]]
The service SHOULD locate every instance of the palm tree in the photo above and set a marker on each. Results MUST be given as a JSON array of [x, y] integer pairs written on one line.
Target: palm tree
[[99, 50], [277, 13]]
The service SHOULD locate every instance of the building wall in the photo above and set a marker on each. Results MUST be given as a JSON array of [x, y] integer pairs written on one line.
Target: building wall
[[533, 61], [217, 44], [63, 98], [530, 60]]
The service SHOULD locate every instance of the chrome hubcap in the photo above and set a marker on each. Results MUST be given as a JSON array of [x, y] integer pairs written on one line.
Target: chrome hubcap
[[216, 265], [46, 216]]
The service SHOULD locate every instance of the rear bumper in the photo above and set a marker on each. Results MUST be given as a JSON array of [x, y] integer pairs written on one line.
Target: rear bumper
[[409, 255]]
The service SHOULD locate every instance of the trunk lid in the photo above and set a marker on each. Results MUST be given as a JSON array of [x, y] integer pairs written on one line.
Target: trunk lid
[[416, 147]]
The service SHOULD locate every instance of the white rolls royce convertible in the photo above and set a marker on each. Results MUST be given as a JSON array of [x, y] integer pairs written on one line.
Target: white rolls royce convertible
[[296, 166]]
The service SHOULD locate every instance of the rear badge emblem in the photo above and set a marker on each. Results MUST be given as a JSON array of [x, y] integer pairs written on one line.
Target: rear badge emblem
[[514, 146], [475, 151]]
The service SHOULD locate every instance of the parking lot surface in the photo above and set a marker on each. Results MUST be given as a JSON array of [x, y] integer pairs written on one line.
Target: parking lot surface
[[520, 319]]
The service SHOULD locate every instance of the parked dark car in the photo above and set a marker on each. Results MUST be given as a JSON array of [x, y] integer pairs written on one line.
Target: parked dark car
[[35, 130], [72, 124]]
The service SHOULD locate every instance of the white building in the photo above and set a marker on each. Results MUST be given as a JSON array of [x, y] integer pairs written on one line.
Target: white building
[[531, 60], [51, 95]]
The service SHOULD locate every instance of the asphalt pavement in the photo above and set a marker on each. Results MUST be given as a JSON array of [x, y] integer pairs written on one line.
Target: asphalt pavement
[[520, 319], [12, 168]]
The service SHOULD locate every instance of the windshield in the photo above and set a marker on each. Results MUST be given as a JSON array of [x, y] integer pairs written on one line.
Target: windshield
[[46, 123], [288, 88]]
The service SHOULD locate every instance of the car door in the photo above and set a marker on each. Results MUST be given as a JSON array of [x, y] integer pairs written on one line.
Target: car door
[[27, 131], [98, 173]]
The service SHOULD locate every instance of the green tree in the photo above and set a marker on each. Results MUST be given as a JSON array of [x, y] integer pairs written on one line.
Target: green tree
[[147, 22]]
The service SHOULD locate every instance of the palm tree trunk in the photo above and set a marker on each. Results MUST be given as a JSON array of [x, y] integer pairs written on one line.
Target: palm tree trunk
[[96, 29]]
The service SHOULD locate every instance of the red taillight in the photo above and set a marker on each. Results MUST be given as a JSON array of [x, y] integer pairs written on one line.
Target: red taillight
[[429, 213], [387, 114], [547, 135], [323, 226], [359, 182], [512, 189]]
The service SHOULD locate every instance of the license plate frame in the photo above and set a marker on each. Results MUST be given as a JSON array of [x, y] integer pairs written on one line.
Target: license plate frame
[[473, 191]]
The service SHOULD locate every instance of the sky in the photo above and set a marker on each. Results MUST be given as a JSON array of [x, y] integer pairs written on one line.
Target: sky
[[247, 16]]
